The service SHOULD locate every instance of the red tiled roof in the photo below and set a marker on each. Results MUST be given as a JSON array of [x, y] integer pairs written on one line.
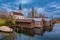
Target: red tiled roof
[[25, 20]]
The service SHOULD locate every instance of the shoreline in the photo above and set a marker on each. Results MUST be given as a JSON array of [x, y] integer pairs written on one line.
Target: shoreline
[[5, 33]]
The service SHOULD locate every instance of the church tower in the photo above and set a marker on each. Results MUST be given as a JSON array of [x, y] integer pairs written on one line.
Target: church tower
[[20, 9], [33, 13]]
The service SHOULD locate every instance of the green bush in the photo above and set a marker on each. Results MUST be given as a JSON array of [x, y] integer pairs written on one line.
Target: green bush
[[2, 22], [6, 23], [9, 23], [13, 22]]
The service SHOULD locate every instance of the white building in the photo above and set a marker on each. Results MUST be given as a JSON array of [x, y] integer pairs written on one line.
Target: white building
[[17, 15]]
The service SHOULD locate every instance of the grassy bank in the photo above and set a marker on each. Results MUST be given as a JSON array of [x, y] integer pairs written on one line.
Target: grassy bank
[[6, 23], [2, 22]]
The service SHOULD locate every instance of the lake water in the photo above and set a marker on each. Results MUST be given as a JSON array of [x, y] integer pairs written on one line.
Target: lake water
[[52, 35]]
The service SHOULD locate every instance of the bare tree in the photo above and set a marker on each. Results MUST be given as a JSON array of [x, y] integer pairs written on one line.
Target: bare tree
[[3, 14]]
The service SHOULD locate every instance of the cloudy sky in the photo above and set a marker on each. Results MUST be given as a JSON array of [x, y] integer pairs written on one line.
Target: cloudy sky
[[50, 8]]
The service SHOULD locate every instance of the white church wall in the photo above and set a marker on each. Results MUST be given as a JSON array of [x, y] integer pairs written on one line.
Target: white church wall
[[18, 17]]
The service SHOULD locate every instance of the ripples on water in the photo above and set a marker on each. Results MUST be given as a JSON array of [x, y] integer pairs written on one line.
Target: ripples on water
[[53, 35]]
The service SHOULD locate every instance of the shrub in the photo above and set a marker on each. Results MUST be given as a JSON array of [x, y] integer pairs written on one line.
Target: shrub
[[9, 23], [2, 22]]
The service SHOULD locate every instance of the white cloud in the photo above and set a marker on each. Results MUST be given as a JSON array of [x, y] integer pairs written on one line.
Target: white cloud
[[54, 13], [57, 7], [40, 10], [1, 1], [49, 14], [43, 10], [26, 1], [23, 1], [26, 11], [54, 4], [6, 6]]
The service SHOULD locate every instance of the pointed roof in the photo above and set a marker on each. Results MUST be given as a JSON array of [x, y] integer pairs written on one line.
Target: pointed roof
[[32, 9], [16, 13], [19, 11], [33, 12], [20, 7]]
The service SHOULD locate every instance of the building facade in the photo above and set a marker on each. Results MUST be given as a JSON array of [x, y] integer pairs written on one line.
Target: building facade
[[27, 23], [17, 15]]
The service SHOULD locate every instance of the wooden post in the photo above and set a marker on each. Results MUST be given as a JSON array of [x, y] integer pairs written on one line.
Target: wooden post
[[22, 28], [17, 29]]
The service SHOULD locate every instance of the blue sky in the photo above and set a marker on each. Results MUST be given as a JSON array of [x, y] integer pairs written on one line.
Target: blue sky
[[50, 8]]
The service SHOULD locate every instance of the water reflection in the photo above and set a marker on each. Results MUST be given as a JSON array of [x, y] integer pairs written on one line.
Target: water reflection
[[36, 34]]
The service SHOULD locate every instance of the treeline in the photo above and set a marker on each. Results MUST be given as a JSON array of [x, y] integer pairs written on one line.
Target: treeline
[[4, 18], [4, 14]]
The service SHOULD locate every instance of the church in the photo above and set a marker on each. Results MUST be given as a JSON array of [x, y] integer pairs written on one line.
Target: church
[[17, 15]]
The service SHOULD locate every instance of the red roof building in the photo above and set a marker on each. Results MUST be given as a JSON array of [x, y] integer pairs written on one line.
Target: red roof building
[[27, 23]]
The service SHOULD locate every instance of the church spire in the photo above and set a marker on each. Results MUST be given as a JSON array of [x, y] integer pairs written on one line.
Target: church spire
[[33, 12], [20, 9]]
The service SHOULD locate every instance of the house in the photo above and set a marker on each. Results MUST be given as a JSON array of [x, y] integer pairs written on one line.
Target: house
[[27, 23], [42, 16], [17, 15], [38, 23]]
